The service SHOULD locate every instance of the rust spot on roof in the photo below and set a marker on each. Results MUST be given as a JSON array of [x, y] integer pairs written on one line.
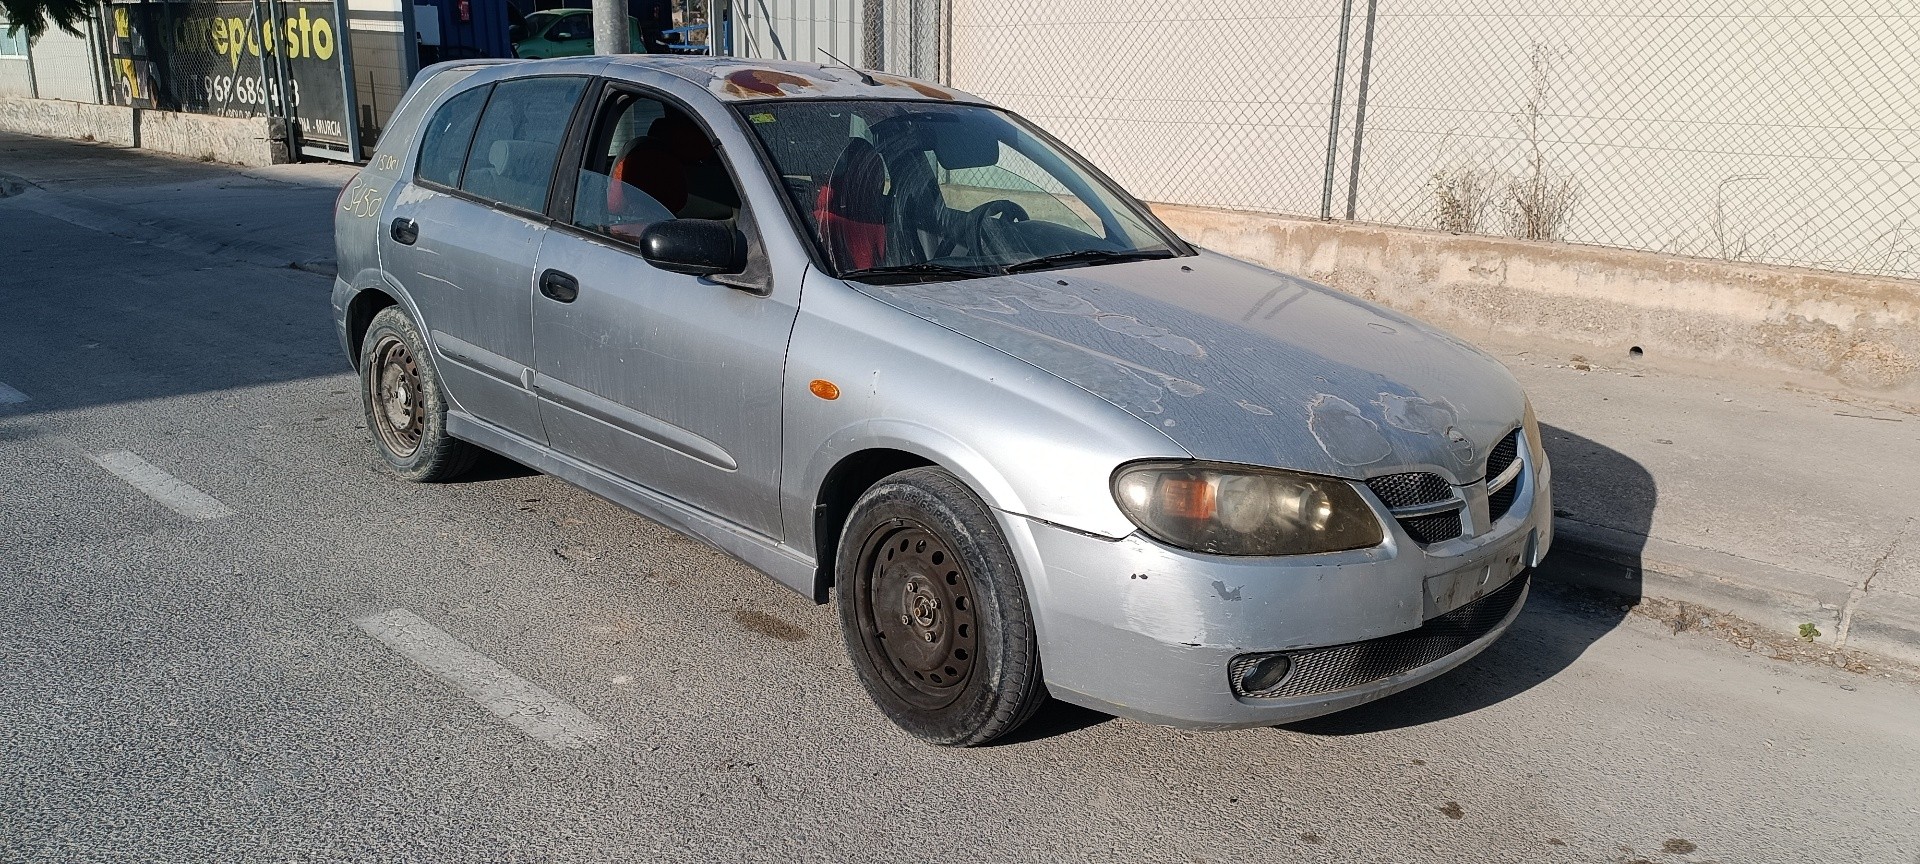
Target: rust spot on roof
[[762, 82], [927, 90]]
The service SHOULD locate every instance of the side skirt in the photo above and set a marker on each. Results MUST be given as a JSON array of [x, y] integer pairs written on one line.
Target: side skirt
[[785, 564]]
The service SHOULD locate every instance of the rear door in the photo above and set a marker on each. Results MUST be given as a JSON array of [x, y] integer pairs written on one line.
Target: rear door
[[668, 380], [462, 234]]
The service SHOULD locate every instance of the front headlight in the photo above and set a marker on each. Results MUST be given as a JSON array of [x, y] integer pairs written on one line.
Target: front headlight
[[1236, 510], [1532, 427]]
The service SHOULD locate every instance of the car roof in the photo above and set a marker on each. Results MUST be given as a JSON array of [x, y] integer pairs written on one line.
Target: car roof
[[739, 79]]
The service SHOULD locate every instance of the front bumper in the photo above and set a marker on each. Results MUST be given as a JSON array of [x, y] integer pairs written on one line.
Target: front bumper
[[1141, 630]]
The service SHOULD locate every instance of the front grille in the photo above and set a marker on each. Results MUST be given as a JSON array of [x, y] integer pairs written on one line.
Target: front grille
[[1410, 489], [1414, 489], [1502, 456], [1339, 667], [1432, 529]]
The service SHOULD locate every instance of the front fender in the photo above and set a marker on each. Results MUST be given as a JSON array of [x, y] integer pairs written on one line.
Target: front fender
[[1024, 440]]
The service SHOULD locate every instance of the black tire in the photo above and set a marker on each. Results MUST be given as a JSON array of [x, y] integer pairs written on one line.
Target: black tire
[[404, 406], [947, 650]]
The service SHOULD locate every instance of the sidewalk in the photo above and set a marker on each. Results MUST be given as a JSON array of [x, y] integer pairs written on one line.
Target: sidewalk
[[274, 216], [1778, 505]]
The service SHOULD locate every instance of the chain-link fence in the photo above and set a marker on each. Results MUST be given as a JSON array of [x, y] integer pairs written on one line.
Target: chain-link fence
[[1753, 130]]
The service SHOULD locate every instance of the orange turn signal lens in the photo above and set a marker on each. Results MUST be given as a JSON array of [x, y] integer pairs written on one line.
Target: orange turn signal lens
[[824, 389], [1186, 497]]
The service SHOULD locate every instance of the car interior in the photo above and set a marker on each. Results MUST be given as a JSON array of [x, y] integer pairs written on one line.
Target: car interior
[[920, 186], [632, 178]]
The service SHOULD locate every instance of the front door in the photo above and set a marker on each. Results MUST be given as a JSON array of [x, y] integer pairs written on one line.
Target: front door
[[462, 234], [669, 381]]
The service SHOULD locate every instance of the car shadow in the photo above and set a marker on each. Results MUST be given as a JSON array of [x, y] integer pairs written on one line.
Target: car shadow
[[1054, 719], [491, 466], [1592, 485]]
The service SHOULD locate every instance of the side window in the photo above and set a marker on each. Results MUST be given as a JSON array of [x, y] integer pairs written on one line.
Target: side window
[[571, 27], [443, 146], [647, 161], [518, 138]]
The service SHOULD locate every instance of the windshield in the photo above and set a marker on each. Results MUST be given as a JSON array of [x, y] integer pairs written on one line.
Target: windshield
[[912, 190]]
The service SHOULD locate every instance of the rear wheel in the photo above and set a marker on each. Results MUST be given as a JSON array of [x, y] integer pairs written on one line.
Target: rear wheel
[[406, 411], [934, 612]]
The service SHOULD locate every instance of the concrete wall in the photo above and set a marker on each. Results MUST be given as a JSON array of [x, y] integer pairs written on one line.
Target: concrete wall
[[800, 29], [64, 65], [383, 60], [13, 74], [1858, 331], [241, 141]]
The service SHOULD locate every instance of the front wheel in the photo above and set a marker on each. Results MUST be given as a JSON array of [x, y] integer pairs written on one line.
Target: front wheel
[[934, 612]]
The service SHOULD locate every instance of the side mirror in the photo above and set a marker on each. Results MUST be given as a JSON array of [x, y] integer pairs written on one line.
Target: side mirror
[[516, 33], [696, 247]]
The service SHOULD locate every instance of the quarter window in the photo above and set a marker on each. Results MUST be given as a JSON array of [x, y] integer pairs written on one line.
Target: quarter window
[[518, 138], [443, 148]]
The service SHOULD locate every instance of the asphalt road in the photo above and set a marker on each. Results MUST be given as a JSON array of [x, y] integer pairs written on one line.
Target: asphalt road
[[226, 635]]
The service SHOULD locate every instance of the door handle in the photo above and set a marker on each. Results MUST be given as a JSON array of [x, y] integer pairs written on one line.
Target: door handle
[[405, 231], [559, 286]]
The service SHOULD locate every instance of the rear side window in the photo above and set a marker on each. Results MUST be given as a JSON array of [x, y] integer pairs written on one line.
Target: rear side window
[[518, 139], [443, 147]]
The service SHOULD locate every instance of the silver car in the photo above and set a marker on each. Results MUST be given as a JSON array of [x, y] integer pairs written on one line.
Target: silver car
[[887, 342]]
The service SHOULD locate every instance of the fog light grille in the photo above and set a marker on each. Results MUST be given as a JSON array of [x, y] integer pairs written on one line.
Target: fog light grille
[[1338, 667]]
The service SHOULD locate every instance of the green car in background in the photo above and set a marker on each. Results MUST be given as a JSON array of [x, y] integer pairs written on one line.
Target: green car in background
[[563, 33]]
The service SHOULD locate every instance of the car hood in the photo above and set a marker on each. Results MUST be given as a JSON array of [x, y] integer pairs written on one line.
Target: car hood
[[1237, 363]]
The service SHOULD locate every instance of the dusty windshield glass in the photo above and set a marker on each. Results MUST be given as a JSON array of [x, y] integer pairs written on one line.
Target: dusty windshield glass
[[912, 190]]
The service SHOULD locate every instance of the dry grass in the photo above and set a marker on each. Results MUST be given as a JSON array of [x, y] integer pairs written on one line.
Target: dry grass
[[1462, 196], [1538, 204]]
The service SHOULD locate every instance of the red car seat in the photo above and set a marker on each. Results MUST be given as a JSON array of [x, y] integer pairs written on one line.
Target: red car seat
[[652, 168], [852, 208]]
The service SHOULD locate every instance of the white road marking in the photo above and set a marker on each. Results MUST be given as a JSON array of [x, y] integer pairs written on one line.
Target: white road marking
[[10, 396], [541, 715], [161, 486]]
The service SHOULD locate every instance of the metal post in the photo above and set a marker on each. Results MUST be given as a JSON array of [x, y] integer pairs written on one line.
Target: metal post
[[713, 28], [1360, 112], [343, 49], [610, 34], [102, 51], [260, 32], [283, 76], [1333, 120]]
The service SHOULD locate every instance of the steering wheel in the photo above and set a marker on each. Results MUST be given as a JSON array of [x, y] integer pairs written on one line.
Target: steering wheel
[[998, 212]]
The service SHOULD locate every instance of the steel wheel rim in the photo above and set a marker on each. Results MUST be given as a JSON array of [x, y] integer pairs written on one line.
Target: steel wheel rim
[[916, 614], [393, 390]]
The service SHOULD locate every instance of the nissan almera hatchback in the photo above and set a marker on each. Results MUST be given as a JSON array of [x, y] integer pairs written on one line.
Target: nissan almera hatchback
[[889, 343]]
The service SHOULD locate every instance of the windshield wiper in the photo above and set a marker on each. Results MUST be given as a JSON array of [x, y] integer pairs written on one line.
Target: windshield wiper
[[1087, 256], [918, 268]]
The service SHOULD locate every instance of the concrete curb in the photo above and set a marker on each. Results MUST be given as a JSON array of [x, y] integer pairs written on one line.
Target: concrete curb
[[1633, 565]]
